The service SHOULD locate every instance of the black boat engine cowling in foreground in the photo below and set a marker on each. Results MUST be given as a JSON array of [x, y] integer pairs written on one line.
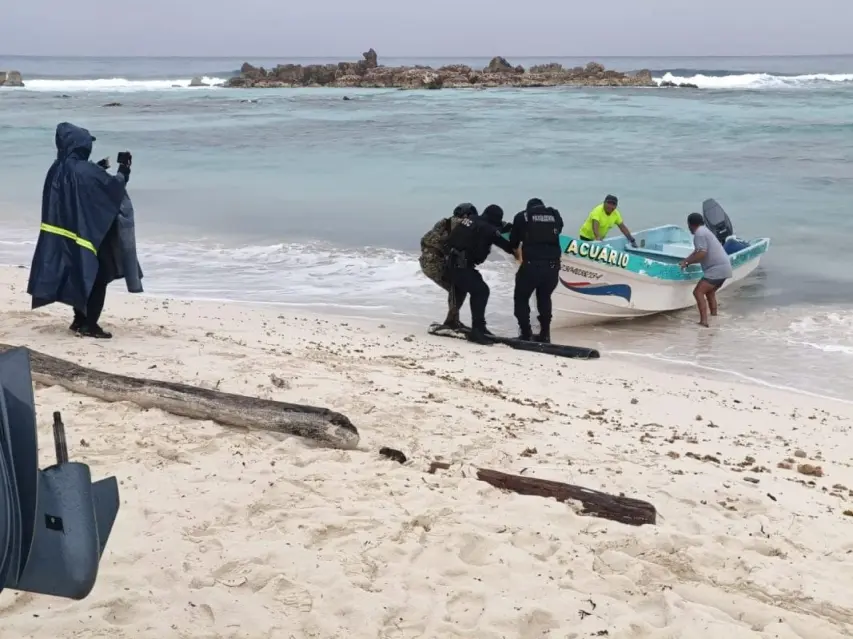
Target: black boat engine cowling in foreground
[[55, 522]]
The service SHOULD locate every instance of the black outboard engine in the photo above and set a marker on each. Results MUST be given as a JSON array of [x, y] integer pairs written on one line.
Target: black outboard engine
[[717, 220]]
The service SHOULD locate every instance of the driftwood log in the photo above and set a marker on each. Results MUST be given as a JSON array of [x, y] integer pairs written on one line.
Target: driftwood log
[[622, 509], [318, 424]]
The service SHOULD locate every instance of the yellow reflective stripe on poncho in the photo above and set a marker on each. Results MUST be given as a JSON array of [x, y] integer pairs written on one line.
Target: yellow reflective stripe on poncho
[[86, 244]]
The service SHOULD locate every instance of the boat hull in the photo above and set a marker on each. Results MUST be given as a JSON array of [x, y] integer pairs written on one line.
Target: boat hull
[[610, 281]]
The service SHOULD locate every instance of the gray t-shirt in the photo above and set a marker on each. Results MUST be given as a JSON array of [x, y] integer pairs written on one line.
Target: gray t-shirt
[[716, 264]]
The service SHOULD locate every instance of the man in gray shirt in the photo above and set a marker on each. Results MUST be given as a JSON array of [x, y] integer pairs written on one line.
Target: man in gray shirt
[[715, 263]]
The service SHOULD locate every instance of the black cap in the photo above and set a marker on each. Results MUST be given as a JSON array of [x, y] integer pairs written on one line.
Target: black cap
[[533, 202], [611, 199], [466, 209], [695, 219]]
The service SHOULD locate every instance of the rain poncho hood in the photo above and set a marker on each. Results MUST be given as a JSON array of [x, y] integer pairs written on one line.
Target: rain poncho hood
[[80, 204]]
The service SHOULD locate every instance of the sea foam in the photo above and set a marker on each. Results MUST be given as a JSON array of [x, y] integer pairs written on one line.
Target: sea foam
[[758, 80], [115, 84]]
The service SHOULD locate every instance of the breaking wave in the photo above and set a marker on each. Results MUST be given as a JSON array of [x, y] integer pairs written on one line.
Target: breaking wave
[[757, 80], [115, 84]]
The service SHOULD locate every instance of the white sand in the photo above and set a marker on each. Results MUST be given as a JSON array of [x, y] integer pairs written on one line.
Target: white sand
[[224, 533]]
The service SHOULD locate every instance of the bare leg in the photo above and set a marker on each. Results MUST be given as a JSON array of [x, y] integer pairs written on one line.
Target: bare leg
[[699, 295], [711, 296]]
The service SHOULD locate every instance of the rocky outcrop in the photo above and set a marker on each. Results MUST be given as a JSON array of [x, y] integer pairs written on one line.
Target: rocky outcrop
[[368, 73], [11, 79], [500, 65], [666, 84], [198, 82]]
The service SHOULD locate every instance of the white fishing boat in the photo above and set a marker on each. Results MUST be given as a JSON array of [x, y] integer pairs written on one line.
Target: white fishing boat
[[612, 280]]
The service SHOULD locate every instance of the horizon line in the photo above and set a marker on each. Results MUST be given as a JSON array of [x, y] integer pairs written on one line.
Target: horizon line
[[434, 57]]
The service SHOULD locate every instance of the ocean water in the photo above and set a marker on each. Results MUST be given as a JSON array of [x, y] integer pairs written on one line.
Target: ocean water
[[299, 198]]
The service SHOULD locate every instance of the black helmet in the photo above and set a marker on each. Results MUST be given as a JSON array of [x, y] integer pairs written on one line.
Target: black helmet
[[493, 214], [466, 209]]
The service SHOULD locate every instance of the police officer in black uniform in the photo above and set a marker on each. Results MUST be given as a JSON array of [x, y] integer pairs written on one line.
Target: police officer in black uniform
[[470, 244], [536, 230]]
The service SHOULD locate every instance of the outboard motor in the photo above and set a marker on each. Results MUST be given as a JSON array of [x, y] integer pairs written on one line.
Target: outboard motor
[[717, 220]]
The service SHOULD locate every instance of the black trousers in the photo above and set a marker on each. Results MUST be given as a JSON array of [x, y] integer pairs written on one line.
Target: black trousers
[[95, 305], [540, 278], [468, 281]]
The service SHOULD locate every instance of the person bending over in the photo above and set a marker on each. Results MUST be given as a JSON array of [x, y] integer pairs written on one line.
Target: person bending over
[[434, 256], [536, 231], [469, 245], [603, 218], [715, 263]]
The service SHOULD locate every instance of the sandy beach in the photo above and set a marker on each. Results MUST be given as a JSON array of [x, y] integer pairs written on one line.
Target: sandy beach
[[228, 533]]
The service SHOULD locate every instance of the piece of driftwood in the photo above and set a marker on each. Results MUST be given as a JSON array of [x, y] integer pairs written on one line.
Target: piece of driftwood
[[393, 454], [318, 424], [622, 509], [437, 465]]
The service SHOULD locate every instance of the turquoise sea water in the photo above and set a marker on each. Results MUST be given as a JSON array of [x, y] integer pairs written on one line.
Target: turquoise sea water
[[295, 196]]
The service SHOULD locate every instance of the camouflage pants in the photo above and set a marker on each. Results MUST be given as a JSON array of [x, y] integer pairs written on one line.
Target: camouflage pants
[[434, 267]]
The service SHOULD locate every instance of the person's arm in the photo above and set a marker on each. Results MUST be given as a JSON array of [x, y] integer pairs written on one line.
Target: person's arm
[[502, 243], [627, 233], [516, 235], [595, 231], [517, 232], [700, 249], [112, 185], [452, 237], [559, 220]]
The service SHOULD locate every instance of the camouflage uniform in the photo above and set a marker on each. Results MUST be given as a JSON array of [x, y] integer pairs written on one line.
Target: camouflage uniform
[[433, 261]]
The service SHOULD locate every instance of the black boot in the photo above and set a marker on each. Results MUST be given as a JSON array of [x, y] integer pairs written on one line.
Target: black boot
[[79, 321], [480, 335], [94, 331], [452, 321], [544, 335], [525, 333]]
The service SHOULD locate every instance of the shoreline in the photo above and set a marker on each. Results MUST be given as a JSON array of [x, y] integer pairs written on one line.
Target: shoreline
[[222, 528], [399, 323], [408, 323]]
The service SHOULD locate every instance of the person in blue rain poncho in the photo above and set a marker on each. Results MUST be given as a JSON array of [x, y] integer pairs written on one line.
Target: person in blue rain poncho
[[87, 237]]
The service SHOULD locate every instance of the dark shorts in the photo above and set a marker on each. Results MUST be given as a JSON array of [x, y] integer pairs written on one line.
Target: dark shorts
[[715, 283], [587, 239]]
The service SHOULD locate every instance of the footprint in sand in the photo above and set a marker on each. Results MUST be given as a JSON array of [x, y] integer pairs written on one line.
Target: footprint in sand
[[289, 594], [464, 609], [537, 544], [537, 624], [477, 551], [118, 611], [206, 614]]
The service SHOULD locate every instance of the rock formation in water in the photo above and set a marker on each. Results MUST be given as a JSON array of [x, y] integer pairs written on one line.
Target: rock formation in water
[[11, 79], [367, 73], [198, 82], [666, 84]]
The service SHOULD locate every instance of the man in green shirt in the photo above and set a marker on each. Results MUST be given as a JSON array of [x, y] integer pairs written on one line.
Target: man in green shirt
[[603, 218]]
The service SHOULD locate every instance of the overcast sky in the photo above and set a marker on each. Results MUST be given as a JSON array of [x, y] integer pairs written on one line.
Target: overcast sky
[[345, 28]]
